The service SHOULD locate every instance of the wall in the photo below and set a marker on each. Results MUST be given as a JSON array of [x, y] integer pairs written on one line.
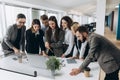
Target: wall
[[115, 20]]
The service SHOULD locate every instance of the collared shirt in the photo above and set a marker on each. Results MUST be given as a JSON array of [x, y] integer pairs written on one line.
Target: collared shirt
[[37, 33], [44, 28], [81, 50], [69, 40], [53, 35]]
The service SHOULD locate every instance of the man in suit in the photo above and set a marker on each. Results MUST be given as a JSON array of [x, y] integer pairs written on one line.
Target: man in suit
[[14, 39], [102, 50]]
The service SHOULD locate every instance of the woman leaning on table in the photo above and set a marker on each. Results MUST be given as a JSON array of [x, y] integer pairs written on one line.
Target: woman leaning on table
[[65, 24], [34, 39], [54, 38], [81, 48]]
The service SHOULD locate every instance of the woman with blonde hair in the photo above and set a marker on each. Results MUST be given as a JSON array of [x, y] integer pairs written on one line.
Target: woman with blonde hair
[[80, 48], [74, 27]]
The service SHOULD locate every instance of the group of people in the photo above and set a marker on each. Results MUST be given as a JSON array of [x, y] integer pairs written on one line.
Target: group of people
[[69, 40], [50, 39]]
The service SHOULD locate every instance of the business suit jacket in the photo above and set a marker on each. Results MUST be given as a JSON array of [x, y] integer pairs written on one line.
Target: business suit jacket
[[34, 42], [102, 50], [11, 36], [56, 44]]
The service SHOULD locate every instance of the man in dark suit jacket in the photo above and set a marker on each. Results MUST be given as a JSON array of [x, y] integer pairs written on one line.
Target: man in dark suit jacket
[[14, 39], [102, 50]]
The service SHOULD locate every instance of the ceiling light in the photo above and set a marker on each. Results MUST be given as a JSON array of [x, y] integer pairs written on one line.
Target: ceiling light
[[116, 6]]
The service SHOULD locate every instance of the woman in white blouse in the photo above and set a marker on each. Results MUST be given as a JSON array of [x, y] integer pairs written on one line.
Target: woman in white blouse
[[65, 24]]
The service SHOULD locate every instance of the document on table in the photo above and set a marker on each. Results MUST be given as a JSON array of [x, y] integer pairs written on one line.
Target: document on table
[[70, 61]]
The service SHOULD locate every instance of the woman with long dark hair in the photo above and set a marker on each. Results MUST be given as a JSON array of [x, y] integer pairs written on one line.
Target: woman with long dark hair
[[65, 24], [34, 39], [54, 38]]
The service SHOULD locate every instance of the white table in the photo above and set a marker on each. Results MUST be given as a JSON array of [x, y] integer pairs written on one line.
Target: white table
[[63, 74], [13, 65]]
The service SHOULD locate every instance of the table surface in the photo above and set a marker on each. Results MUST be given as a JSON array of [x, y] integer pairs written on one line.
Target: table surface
[[62, 74]]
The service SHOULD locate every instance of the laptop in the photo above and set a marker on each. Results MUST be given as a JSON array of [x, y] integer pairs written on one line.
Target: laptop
[[37, 61]]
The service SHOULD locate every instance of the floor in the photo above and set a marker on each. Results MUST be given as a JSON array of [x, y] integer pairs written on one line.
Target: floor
[[112, 37]]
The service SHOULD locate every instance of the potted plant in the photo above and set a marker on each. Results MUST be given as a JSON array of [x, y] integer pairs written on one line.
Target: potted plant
[[53, 64]]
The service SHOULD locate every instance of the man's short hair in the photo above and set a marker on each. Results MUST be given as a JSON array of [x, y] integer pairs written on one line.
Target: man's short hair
[[21, 16], [44, 17], [82, 29]]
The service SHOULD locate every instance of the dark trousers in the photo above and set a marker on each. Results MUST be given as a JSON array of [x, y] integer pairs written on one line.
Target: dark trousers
[[112, 76], [65, 47]]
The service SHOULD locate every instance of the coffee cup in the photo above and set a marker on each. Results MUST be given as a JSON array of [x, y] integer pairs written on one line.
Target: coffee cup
[[20, 58], [87, 72]]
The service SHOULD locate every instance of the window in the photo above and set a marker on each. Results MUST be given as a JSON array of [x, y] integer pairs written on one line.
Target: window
[[84, 20], [1, 27], [60, 15], [42, 12], [70, 15], [80, 20], [53, 14], [35, 14], [91, 19], [12, 11], [76, 18]]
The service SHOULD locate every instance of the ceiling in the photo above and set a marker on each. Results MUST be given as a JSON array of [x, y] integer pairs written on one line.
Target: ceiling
[[87, 7], [110, 5]]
